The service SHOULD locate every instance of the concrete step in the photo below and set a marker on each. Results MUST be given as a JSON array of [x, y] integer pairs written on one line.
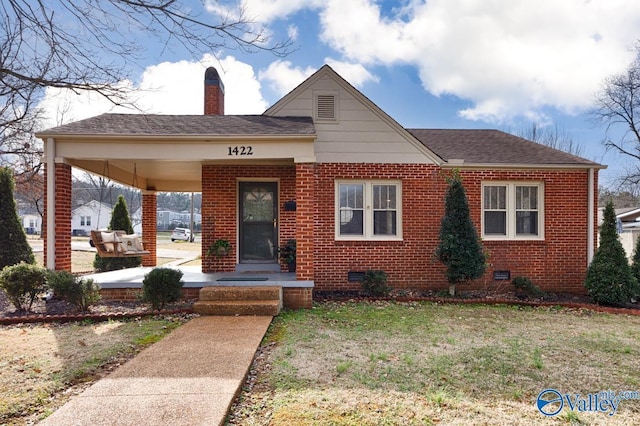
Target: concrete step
[[229, 293], [243, 307]]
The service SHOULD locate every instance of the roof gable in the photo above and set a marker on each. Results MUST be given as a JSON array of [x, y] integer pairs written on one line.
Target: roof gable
[[362, 132]]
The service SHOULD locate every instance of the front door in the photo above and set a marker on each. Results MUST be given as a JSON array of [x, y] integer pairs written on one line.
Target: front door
[[258, 222]]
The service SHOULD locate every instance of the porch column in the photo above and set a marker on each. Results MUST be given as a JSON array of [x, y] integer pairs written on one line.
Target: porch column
[[149, 226], [305, 219], [56, 223]]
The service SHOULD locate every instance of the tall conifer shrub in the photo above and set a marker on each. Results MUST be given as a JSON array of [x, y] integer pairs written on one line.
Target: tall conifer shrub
[[609, 278], [459, 248], [14, 247]]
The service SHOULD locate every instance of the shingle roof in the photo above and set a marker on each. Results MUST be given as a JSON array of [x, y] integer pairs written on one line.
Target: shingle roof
[[492, 147], [189, 125]]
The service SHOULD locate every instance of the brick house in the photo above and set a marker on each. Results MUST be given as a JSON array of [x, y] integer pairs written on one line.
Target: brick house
[[326, 166]]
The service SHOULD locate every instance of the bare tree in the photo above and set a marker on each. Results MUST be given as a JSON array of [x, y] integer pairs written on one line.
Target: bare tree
[[617, 107], [90, 45], [551, 136]]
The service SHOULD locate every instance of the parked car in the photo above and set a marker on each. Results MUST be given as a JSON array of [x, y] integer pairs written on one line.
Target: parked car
[[182, 234]]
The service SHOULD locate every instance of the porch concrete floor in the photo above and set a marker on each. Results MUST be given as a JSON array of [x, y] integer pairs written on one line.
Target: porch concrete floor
[[194, 277]]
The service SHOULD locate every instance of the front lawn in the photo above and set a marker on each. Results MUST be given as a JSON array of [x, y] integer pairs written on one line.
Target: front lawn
[[385, 363]]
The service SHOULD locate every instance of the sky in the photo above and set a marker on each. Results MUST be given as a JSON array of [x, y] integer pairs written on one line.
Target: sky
[[501, 64]]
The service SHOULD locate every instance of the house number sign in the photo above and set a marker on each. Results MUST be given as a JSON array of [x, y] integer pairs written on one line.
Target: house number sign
[[240, 150]]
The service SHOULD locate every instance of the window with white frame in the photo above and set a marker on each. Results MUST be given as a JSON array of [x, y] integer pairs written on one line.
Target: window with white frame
[[368, 210], [512, 210], [85, 220]]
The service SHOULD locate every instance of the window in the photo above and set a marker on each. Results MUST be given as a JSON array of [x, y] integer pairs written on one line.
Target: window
[[512, 210], [368, 210], [85, 220]]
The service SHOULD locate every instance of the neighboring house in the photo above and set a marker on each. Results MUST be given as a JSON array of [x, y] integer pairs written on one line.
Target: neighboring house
[[169, 219], [326, 166], [31, 222], [92, 215]]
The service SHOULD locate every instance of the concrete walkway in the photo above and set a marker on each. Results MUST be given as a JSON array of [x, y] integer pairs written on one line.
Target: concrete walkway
[[190, 377]]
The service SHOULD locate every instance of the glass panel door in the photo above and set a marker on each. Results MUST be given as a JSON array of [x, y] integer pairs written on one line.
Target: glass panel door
[[258, 222]]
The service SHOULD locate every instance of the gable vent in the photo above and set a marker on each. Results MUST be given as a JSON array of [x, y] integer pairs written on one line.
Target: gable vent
[[326, 107]]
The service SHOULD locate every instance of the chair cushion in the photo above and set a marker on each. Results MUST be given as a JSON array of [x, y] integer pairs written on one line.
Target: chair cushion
[[109, 237]]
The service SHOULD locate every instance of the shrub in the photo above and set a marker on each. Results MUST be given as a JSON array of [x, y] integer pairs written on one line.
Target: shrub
[[459, 248], [79, 292], [23, 283], [609, 278], [162, 286], [14, 247], [526, 286], [374, 283]]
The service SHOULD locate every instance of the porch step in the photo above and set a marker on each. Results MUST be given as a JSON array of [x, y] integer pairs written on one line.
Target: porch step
[[240, 300]]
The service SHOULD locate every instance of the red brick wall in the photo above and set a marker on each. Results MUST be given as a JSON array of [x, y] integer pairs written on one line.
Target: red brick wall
[[213, 99], [556, 264], [149, 227], [304, 221], [220, 201], [62, 219]]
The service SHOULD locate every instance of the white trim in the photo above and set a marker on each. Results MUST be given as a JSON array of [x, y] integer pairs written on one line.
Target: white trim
[[590, 217], [511, 210], [368, 210], [50, 153]]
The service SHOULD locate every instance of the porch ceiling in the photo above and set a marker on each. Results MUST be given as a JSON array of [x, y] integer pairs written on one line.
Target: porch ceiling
[[175, 164]]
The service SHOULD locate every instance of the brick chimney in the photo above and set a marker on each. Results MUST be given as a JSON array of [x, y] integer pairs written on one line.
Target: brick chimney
[[213, 93]]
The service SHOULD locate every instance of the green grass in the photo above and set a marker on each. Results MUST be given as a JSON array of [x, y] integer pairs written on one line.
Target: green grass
[[424, 363], [43, 361]]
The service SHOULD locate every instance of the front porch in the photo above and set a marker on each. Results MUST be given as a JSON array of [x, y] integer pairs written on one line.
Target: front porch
[[126, 284]]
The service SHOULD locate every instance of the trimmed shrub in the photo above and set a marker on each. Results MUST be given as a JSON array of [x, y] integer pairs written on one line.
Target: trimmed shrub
[[14, 247], [459, 248], [374, 283], [524, 285], [609, 278], [161, 286], [79, 292], [23, 283]]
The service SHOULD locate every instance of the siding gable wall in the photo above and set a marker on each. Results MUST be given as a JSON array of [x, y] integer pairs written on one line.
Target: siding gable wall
[[361, 133]]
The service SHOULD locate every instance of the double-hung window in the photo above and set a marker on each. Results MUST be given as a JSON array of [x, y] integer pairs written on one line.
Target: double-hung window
[[512, 210], [368, 210]]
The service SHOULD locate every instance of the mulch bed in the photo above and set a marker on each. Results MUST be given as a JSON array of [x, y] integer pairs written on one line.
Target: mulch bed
[[571, 301], [61, 311]]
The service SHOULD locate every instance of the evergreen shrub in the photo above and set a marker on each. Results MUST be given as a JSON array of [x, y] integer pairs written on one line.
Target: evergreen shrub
[[374, 283], [23, 283], [79, 292], [161, 286], [610, 280]]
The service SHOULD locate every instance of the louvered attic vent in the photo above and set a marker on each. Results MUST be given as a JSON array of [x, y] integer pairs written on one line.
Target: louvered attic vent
[[326, 108]]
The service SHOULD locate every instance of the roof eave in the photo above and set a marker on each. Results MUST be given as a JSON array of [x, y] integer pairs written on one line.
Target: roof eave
[[169, 137], [461, 165]]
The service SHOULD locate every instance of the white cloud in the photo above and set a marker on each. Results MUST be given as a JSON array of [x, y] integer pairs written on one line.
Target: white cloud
[[263, 11], [165, 88], [283, 77], [355, 74], [508, 58]]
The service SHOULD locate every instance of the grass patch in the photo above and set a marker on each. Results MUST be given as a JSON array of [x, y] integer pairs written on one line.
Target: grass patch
[[39, 362], [423, 363]]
